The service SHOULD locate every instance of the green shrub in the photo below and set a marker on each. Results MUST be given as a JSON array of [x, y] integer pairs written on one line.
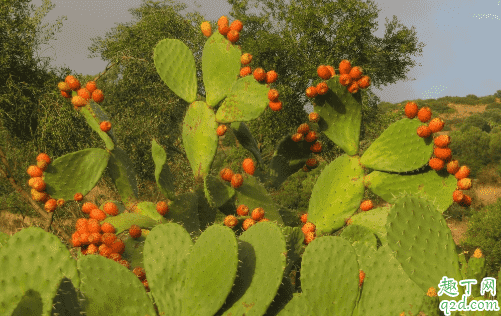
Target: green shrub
[[470, 148], [484, 232], [476, 120], [493, 106]]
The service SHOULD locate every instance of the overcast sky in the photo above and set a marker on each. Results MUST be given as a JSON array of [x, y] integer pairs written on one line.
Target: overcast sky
[[461, 55]]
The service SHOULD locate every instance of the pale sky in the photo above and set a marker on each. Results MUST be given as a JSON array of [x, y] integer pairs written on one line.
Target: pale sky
[[460, 57]]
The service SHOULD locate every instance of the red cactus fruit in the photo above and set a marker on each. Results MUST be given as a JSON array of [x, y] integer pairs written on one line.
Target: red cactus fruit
[[364, 82], [356, 73], [237, 180], [259, 74], [230, 221], [93, 225], [311, 92], [43, 157], [97, 214], [353, 87], [91, 86], [366, 205], [248, 223], [314, 117], [436, 164], [226, 174], [316, 147], [309, 237], [135, 231], [344, 67], [97, 96], [206, 29], [109, 239], [245, 71], [436, 125], [34, 171], [105, 126], [457, 196], [162, 208], [88, 206], [345, 80], [297, 137], [462, 173], [442, 141], [107, 228], [221, 130], [443, 153], [242, 210], [453, 166], [125, 263], [111, 208], [118, 246], [275, 106], [273, 95], [411, 110], [257, 214], [424, 114], [271, 76], [312, 162], [248, 166], [245, 59], [322, 88], [464, 184], [78, 197], [324, 72], [311, 136], [304, 218], [236, 25], [308, 227], [50, 205], [233, 36], [424, 131], [78, 101], [303, 128]]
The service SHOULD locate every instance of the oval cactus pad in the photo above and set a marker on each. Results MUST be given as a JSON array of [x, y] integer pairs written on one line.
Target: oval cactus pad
[[176, 66], [341, 114], [163, 175], [337, 194], [399, 148], [200, 138], [246, 101], [220, 67], [86, 168]]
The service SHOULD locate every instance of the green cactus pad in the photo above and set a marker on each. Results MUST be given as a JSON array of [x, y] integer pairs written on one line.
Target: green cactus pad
[[434, 186], [341, 115], [476, 270], [375, 220], [32, 264], [4, 238], [166, 253], [245, 138], [288, 158], [216, 251], [184, 211], [294, 238], [111, 289], [67, 300], [123, 175], [246, 101], [176, 66], [285, 293], [163, 175], [124, 221], [200, 138], [216, 192], [361, 238], [133, 251], [422, 242], [253, 194], [399, 148], [94, 115], [430, 306], [329, 276], [206, 213], [262, 253], [336, 195], [149, 209], [387, 290], [220, 67], [297, 306], [77, 172]]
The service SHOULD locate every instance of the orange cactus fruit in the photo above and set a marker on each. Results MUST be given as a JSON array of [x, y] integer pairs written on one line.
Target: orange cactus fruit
[[88, 206], [316, 147], [303, 128], [424, 114], [78, 197], [118, 246], [242, 210], [312, 162], [245, 71], [314, 117], [39, 196], [223, 25], [37, 183], [322, 88], [309, 237], [462, 173], [311, 136], [140, 273], [311, 92], [236, 25], [443, 153], [259, 74], [93, 226], [366, 205], [162, 208], [361, 278], [308, 227], [230, 221], [72, 82], [464, 184], [344, 67], [304, 218], [297, 137], [233, 36], [135, 231], [42, 165], [436, 164], [115, 257], [237, 180], [436, 125], [478, 253], [226, 174], [78, 101], [84, 93], [206, 29], [125, 263], [271, 76], [453, 166], [364, 82], [466, 201], [353, 87], [324, 72], [442, 141], [105, 126], [248, 223], [97, 96], [275, 106], [91, 86], [411, 110], [345, 80], [50, 205], [60, 202], [257, 214], [432, 292], [273, 95], [95, 238], [457, 196], [81, 225], [109, 239], [424, 131], [107, 228], [63, 86], [66, 94], [221, 130], [356, 73], [34, 171], [248, 166], [245, 59], [332, 71], [110, 208], [97, 214]]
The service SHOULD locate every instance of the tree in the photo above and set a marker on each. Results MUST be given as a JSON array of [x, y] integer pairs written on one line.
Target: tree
[[21, 78]]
